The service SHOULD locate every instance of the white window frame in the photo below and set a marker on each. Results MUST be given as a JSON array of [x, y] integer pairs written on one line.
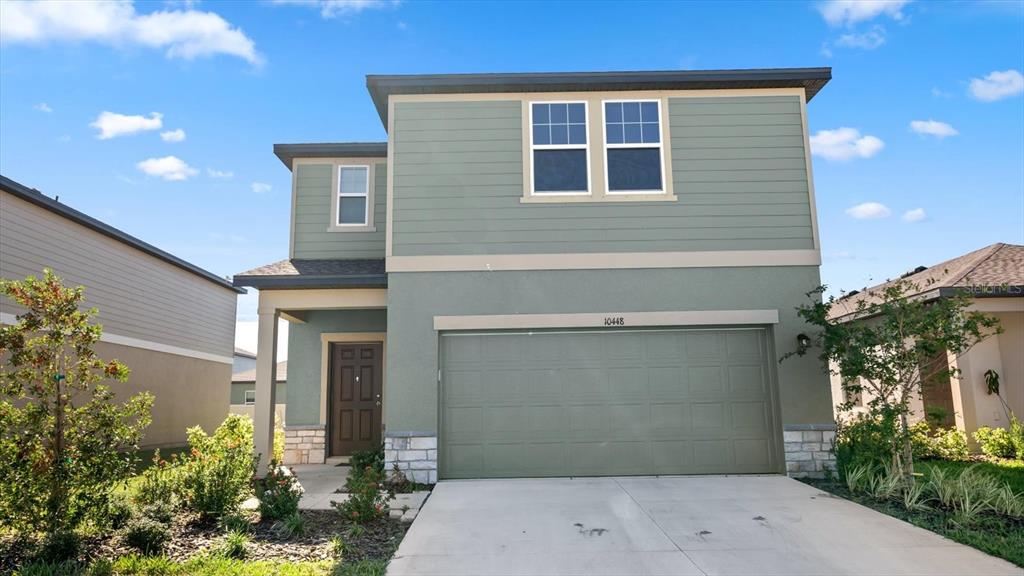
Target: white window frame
[[586, 149], [366, 194], [250, 398], [661, 143]]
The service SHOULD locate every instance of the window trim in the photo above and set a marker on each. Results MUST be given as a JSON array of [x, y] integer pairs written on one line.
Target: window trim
[[246, 401], [338, 195], [643, 145], [586, 149]]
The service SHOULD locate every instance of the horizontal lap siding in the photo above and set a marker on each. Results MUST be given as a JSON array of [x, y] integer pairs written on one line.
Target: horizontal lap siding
[[138, 295], [312, 215], [738, 166]]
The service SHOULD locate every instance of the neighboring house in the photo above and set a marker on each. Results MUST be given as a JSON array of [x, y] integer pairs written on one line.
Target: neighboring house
[[994, 277], [170, 322], [242, 360], [553, 274], [243, 390]]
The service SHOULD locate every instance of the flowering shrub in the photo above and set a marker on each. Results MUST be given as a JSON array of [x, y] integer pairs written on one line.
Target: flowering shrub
[[159, 484], [215, 475], [366, 500], [279, 493]]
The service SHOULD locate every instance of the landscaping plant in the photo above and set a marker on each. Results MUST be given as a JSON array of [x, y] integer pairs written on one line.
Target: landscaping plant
[[65, 442], [278, 492], [890, 346], [367, 497], [216, 474], [147, 535]]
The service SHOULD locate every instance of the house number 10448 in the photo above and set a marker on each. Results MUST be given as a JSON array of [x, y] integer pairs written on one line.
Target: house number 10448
[[614, 321]]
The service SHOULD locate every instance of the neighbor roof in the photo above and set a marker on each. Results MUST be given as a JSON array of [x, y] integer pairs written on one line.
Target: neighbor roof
[[316, 274], [996, 271], [36, 197], [381, 86], [244, 353], [250, 375], [287, 152]]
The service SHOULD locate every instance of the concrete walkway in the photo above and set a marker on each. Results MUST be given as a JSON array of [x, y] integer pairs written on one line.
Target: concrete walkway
[[320, 483], [668, 525]]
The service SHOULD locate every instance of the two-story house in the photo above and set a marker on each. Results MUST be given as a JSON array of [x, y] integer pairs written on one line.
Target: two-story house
[[559, 274]]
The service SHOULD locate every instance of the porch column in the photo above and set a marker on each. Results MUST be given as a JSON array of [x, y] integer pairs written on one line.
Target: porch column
[[266, 366]]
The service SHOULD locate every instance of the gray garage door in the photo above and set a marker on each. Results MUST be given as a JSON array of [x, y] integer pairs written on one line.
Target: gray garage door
[[686, 401]]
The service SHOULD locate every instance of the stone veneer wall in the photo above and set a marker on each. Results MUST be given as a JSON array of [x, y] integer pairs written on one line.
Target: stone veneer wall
[[809, 450], [305, 444], [415, 453]]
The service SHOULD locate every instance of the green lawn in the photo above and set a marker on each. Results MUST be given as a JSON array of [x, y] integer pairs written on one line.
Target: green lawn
[[208, 566], [1009, 471]]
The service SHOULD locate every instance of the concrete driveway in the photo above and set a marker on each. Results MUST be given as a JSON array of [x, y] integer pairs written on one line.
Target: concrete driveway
[[668, 525]]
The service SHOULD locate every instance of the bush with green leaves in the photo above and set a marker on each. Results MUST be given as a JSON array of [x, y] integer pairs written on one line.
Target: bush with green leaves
[[375, 458], [938, 443], [234, 546], [367, 496], [65, 441], [863, 441], [995, 442], [216, 474], [160, 483], [147, 535], [278, 492], [290, 527], [60, 547], [1017, 436]]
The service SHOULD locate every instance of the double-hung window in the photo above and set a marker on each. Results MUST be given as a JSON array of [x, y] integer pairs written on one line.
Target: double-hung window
[[633, 158], [250, 397], [353, 196], [558, 142]]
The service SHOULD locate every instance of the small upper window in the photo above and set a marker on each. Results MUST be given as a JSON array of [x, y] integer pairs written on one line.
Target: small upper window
[[558, 140], [633, 147], [353, 193], [250, 397]]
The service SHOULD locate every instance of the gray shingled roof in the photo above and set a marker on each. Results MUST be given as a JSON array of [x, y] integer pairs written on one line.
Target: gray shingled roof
[[381, 86], [250, 375], [992, 266], [297, 273]]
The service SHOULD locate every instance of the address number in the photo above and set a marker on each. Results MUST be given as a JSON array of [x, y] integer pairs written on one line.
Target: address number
[[614, 321]]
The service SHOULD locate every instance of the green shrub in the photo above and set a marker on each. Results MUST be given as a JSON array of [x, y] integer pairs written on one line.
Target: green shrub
[[60, 547], [216, 474], [943, 444], [1017, 436], [234, 546], [147, 535], [995, 442], [290, 527], [160, 483], [159, 511], [864, 441], [279, 493], [236, 523], [371, 458], [366, 500], [118, 513]]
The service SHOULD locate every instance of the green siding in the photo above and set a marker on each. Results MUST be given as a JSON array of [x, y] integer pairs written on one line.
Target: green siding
[[412, 359], [238, 392], [312, 215], [738, 170], [304, 348]]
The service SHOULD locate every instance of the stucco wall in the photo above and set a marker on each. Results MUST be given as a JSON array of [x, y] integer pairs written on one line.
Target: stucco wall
[[304, 356], [415, 298]]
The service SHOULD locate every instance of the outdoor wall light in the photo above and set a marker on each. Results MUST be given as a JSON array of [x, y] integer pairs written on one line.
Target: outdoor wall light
[[803, 342]]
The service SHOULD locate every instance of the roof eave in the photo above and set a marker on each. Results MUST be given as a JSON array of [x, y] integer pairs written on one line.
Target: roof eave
[[286, 153], [293, 282]]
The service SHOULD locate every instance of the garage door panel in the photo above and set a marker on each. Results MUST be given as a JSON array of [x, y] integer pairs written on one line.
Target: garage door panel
[[599, 403]]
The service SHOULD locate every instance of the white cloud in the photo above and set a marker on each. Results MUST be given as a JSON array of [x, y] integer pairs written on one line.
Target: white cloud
[[865, 41], [844, 144], [185, 34], [173, 135], [915, 215], [169, 168], [933, 128], [940, 93], [337, 8], [997, 85], [43, 107], [219, 174], [869, 211], [112, 124], [849, 12], [260, 187]]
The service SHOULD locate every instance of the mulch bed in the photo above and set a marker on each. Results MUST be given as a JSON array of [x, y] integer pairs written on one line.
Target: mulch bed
[[189, 537]]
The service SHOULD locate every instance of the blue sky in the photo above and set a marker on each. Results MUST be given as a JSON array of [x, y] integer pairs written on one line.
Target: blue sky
[[924, 114]]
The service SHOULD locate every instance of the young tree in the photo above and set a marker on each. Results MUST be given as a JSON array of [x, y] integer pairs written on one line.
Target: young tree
[[892, 344], [64, 441]]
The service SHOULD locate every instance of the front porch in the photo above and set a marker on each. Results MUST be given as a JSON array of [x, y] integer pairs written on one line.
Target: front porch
[[337, 315]]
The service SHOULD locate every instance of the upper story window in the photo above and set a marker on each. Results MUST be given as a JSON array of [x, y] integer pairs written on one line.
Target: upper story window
[[558, 142], [353, 196], [632, 132]]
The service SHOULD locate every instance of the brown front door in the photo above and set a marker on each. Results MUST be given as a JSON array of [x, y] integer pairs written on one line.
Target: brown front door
[[355, 398]]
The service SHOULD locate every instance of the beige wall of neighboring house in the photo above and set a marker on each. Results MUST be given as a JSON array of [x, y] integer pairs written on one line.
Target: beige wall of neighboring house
[[171, 323]]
